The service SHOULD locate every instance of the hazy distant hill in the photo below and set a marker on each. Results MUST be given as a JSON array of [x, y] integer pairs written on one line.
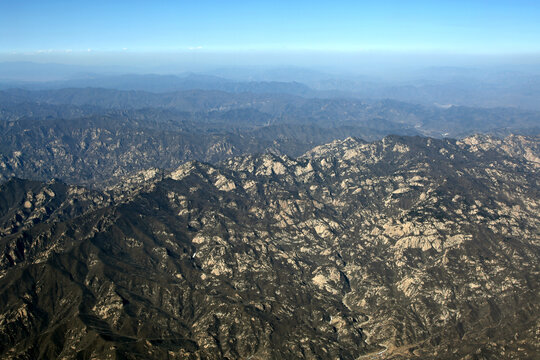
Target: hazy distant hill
[[165, 83], [454, 120], [517, 86]]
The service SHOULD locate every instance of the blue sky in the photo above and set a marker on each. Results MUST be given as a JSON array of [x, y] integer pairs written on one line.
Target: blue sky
[[77, 27]]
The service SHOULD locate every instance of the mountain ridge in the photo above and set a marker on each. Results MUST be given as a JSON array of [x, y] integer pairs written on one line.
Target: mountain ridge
[[422, 248]]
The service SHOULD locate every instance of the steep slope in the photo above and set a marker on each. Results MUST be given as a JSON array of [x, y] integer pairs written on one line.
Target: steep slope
[[94, 137], [102, 149], [407, 247], [25, 203]]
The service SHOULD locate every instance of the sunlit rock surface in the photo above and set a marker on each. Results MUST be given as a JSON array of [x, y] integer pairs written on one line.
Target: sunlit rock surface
[[404, 248]]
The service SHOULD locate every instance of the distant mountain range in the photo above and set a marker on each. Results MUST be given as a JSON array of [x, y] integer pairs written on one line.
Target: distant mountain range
[[498, 87]]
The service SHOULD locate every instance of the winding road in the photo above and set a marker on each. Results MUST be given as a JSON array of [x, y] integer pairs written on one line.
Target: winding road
[[373, 355]]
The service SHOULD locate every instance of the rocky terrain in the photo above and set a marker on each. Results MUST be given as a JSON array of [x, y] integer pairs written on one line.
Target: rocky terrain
[[402, 248], [101, 151], [96, 137]]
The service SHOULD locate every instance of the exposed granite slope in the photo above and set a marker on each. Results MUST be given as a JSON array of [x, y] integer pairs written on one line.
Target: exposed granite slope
[[403, 248]]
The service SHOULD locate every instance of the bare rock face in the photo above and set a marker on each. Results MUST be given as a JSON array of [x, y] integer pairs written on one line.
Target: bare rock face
[[404, 248]]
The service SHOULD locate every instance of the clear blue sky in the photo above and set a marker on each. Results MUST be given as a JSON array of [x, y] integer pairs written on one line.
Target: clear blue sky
[[493, 27]]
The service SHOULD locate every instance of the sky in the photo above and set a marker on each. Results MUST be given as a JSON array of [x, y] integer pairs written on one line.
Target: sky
[[108, 31]]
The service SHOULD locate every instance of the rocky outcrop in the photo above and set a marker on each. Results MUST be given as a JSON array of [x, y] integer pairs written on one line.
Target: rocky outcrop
[[404, 248]]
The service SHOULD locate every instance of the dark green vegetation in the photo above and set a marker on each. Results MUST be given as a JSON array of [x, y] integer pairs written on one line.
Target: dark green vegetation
[[415, 247], [97, 136]]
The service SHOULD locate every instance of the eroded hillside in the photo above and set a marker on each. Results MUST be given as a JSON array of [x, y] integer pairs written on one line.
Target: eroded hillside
[[407, 247]]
